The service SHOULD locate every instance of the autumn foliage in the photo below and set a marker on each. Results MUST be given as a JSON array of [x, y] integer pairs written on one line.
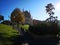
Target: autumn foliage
[[17, 16]]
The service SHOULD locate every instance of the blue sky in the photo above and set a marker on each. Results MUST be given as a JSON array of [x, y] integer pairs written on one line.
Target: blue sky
[[36, 8]]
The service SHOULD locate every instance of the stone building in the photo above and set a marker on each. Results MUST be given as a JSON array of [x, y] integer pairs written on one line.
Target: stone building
[[28, 19]]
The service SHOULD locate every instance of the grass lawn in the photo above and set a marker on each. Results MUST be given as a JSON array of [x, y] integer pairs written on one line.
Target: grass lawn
[[25, 27], [6, 31]]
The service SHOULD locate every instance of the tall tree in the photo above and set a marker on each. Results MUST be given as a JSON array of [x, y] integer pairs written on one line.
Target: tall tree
[[17, 17], [1, 17], [49, 10]]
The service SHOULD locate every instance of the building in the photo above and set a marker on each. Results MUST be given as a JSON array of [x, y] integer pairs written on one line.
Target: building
[[28, 19]]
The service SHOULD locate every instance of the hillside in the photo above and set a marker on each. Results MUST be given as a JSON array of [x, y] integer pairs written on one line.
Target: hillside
[[7, 31]]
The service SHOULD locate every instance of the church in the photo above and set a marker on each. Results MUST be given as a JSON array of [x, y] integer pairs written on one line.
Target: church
[[28, 19]]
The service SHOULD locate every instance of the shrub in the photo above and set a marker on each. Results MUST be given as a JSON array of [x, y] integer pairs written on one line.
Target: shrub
[[44, 28]]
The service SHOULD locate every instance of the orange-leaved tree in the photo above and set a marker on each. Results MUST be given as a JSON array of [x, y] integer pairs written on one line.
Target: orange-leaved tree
[[17, 17]]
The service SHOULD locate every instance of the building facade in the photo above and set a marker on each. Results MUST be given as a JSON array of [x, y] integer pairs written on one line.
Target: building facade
[[28, 19]]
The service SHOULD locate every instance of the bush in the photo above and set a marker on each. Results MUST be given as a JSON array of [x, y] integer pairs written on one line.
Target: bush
[[44, 28], [7, 22]]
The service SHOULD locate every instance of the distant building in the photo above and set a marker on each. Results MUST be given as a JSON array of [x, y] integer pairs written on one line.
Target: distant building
[[28, 19], [37, 22]]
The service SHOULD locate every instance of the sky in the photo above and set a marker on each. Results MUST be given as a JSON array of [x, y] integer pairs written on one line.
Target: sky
[[36, 8]]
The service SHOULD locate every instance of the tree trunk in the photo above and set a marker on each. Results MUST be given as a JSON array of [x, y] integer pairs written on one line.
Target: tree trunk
[[17, 24], [13, 25]]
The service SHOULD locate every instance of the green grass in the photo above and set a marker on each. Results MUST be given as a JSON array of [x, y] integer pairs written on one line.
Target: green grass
[[25, 27], [7, 31]]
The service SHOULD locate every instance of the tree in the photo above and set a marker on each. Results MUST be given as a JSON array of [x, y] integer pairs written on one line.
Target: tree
[[49, 10], [1, 17], [53, 28], [17, 17]]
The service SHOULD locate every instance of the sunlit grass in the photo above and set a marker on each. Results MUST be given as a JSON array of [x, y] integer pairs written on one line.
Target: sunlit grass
[[25, 27], [7, 31]]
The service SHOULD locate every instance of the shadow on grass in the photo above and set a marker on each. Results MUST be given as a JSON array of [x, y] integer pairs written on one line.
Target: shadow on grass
[[18, 40]]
